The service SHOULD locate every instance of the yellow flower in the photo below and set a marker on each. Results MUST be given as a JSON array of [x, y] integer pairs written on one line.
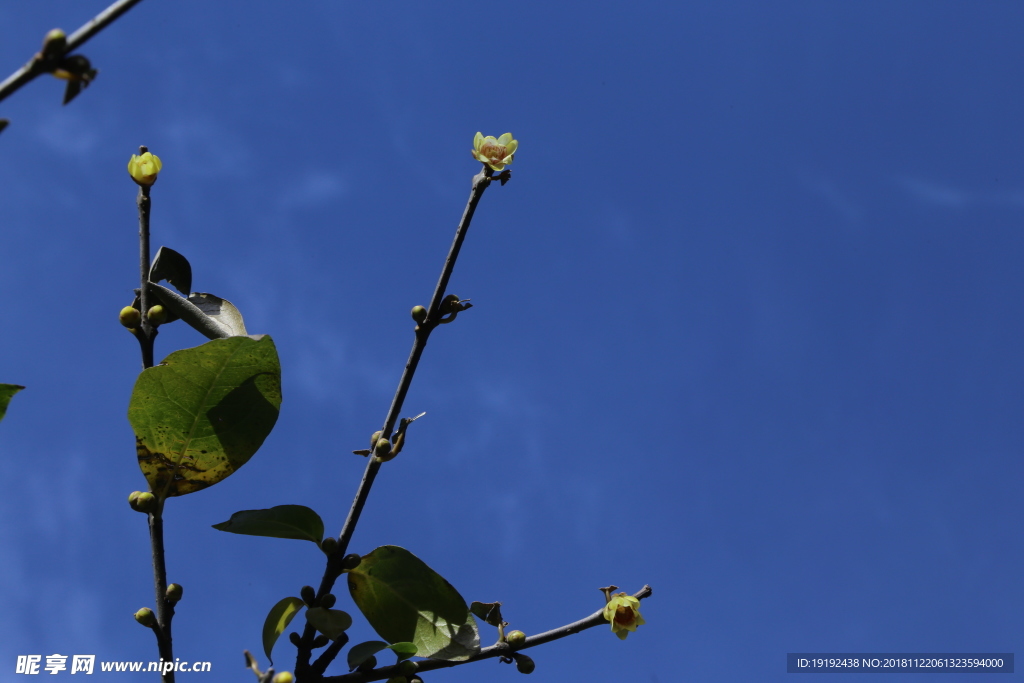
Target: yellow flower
[[623, 611], [143, 169], [495, 152]]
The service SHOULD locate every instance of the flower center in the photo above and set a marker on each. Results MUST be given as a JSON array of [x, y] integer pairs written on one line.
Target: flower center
[[493, 152], [624, 616]]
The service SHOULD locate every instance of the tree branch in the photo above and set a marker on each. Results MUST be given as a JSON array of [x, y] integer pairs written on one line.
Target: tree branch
[[35, 67], [333, 570], [145, 333], [164, 607], [496, 650]]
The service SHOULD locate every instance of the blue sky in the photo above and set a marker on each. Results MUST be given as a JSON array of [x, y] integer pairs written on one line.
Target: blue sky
[[746, 321]]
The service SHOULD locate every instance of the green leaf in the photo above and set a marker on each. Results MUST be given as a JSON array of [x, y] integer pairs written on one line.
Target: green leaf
[[363, 651], [211, 316], [171, 266], [403, 650], [222, 312], [407, 601], [203, 412], [358, 654], [277, 621], [280, 521], [330, 622], [488, 611], [6, 392]]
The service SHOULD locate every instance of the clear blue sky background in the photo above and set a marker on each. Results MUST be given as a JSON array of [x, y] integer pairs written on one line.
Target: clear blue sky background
[[747, 320]]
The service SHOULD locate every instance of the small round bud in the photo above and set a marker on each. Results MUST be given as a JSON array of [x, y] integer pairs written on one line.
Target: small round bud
[[174, 592], [327, 602], [295, 638], [157, 315], [146, 617], [382, 449], [415, 679], [419, 314], [524, 664], [308, 595], [368, 665], [54, 43], [515, 639], [55, 35], [283, 677], [130, 317], [373, 439], [351, 561], [329, 545], [320, 641], [142, 501], [407, 667]]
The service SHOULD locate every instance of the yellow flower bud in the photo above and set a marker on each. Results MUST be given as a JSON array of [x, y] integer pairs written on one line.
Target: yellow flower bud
[[174, 592], [130, 317], [144, 168], [524, 664], [495, 152], [515, 639], [623, 611], [54, 43], [157, 315], [146, 617]]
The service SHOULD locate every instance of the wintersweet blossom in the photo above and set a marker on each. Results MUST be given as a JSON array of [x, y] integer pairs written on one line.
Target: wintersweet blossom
[[623, 611], [144, 168], [495, 152]]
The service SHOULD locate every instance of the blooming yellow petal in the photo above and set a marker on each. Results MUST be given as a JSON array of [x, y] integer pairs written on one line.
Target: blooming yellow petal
[[495, 152], [623, 612], [144, 168]]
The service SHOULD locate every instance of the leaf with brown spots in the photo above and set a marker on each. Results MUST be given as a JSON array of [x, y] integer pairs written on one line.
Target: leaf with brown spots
[[203, 412]]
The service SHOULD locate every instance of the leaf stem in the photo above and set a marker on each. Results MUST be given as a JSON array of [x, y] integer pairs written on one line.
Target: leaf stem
[[333, 570], [496, 650], [34, 67]]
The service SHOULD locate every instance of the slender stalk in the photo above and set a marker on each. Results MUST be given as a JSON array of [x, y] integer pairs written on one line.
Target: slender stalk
[[146, 333], [35, 67], [164, 607], [497, 650], [480, 183], [328, 655], [333, 570]]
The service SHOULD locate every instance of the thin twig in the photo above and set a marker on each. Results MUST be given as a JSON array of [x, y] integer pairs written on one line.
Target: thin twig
[[164, 607], [35, 67], [333, 570], [497, 650], [145, 333], [328, 655]]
